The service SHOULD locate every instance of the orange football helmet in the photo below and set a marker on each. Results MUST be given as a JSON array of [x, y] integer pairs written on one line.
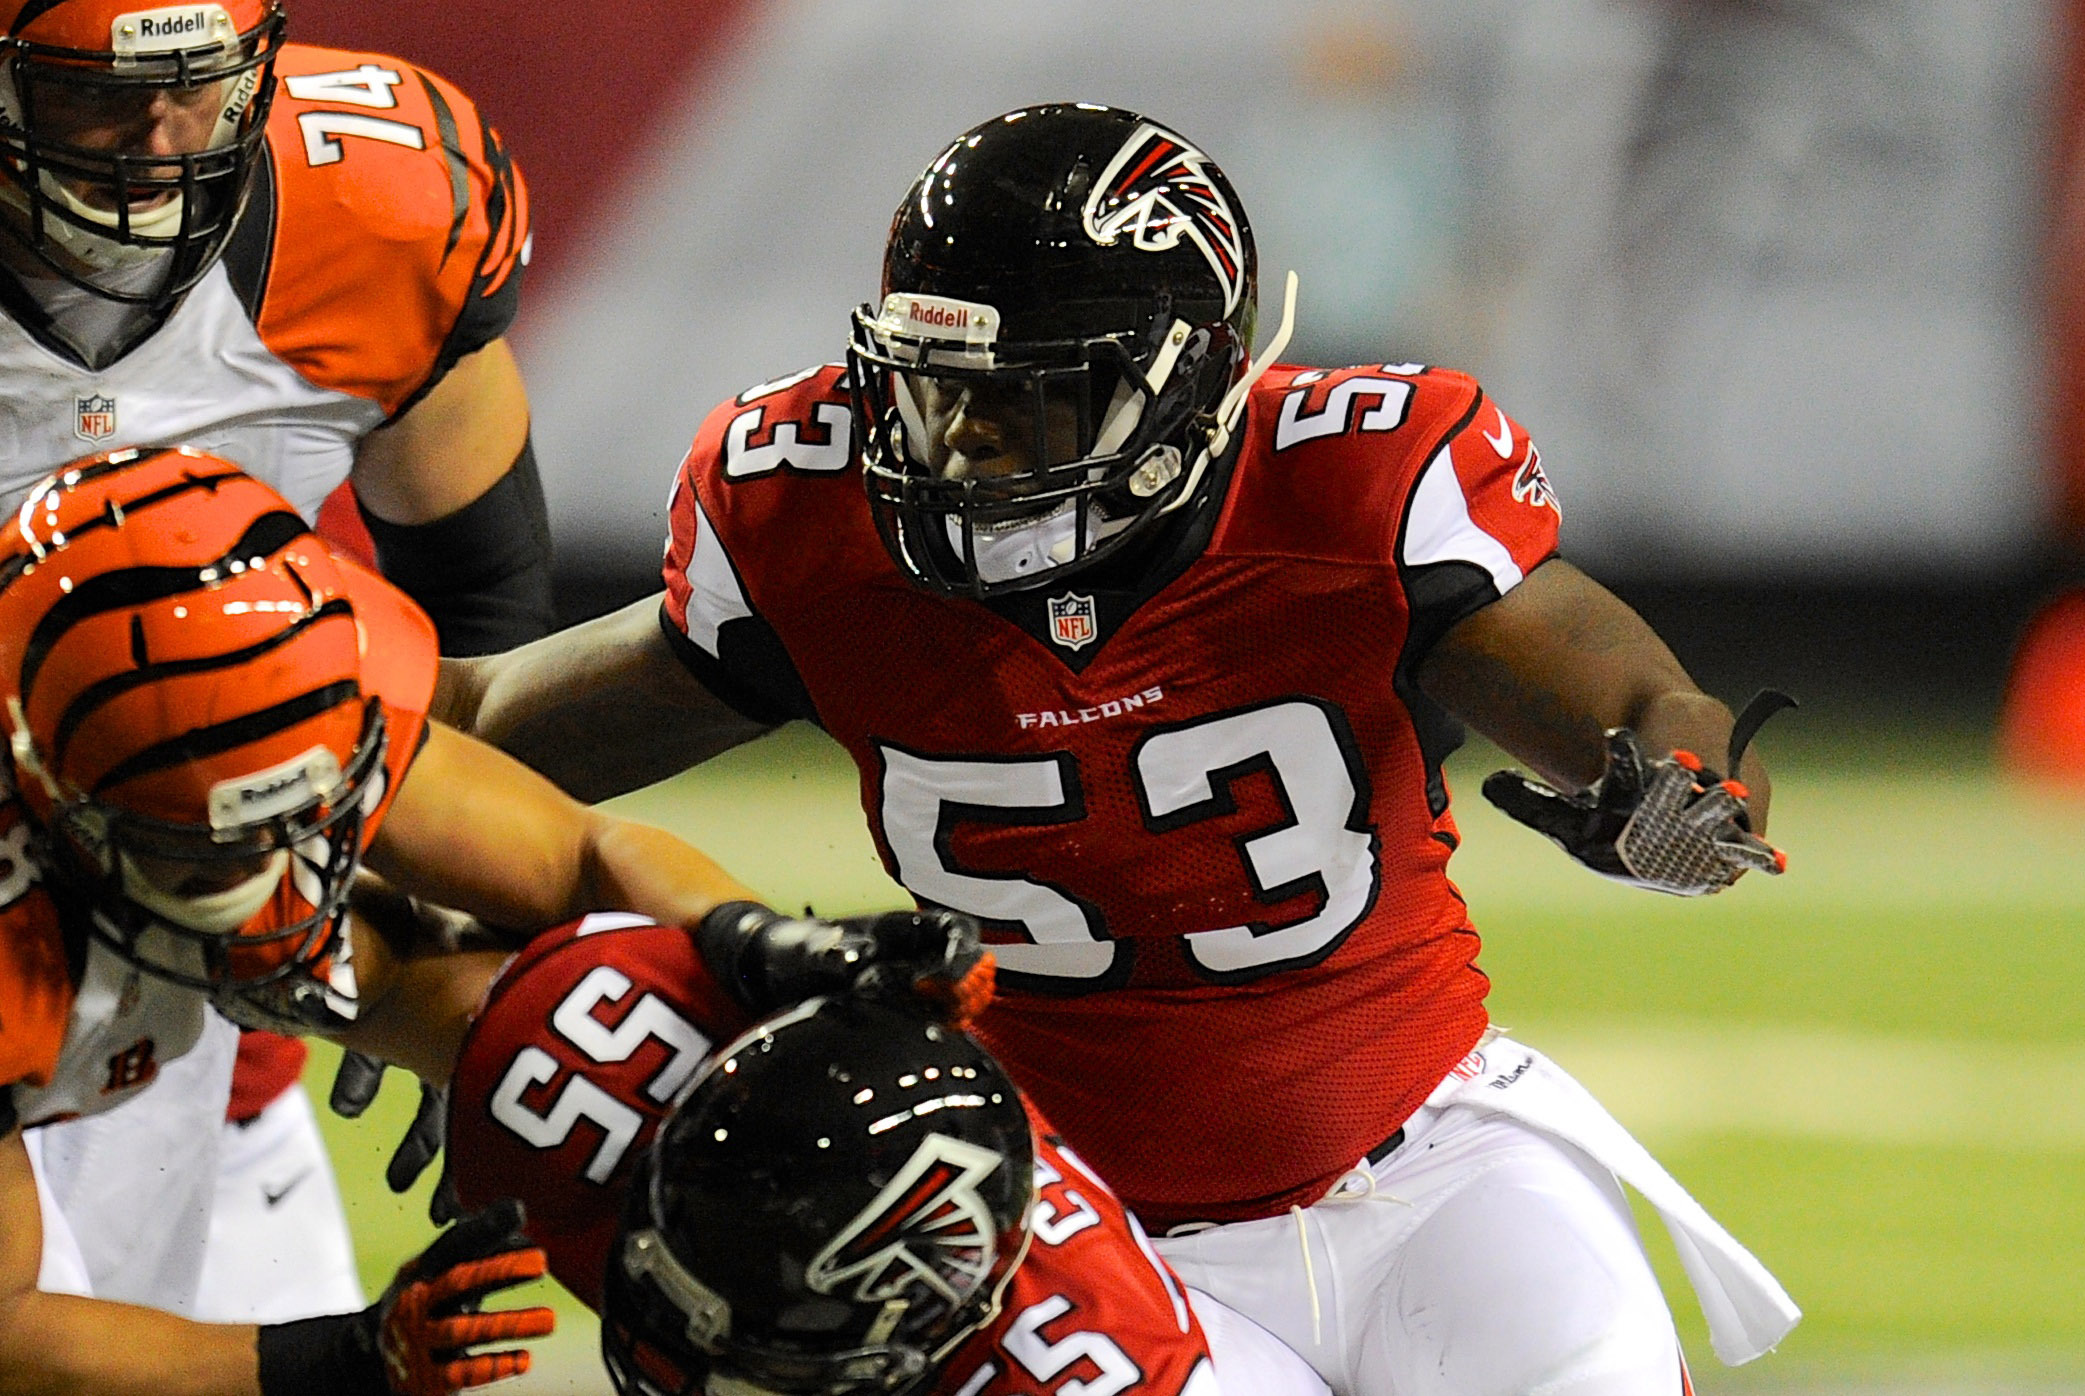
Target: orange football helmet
[[181, 676], [81, 83]]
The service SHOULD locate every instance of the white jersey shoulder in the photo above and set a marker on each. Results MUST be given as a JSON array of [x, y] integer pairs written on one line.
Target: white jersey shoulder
[[125, 1025], [204, 379]]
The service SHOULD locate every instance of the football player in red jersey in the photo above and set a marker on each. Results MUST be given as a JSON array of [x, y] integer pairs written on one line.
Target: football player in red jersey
[[849, 1197], [304, 260], [1149, 652], [212, 721]]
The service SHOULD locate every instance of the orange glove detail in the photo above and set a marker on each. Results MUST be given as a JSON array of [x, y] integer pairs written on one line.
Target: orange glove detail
[[428, 1321]]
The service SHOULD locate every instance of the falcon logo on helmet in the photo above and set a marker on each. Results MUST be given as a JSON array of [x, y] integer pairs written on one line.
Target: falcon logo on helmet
[[1158, 190], [931, 1226]]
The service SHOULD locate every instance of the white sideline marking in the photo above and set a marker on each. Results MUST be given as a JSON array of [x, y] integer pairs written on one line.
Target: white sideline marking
[[1671, 1081]]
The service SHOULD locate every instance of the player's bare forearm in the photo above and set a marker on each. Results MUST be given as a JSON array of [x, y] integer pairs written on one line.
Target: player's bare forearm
[[61, 1345], [636, 867], [417, 1019], [1548, 668], [601, 708], [473, 829]]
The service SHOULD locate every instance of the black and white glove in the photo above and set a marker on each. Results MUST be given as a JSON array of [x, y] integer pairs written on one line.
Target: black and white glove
[[1672, 825], [418, 1339], [769, 961]]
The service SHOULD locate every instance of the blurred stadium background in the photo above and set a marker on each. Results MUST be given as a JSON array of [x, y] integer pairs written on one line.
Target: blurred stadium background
[[1788, 292]]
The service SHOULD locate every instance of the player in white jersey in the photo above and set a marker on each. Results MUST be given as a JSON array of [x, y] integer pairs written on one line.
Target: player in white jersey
[[303, 260], [212, 721]]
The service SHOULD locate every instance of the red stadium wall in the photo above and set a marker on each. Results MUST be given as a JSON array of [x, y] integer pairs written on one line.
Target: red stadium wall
[[574, 89], [2066, 277]]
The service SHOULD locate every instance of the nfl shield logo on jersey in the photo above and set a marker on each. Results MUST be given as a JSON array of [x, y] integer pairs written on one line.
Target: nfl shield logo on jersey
[[95, 418], [1071, 620]]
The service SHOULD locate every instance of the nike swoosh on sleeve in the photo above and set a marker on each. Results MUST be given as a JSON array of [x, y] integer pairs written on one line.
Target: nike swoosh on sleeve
[[1503, 442]]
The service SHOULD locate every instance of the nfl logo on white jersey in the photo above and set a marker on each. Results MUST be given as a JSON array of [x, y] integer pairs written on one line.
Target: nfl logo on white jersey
[[95, 418], [1071, 620]]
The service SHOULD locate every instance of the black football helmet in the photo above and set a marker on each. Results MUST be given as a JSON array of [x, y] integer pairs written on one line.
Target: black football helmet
[[837, 1201], [1085, 280]]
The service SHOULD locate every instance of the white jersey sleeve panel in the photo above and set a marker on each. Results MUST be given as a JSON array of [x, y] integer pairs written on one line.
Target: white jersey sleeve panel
[[1438, 528], [714, 594]]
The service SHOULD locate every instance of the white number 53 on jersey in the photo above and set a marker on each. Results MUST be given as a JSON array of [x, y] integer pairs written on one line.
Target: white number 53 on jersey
[[1182, 776]]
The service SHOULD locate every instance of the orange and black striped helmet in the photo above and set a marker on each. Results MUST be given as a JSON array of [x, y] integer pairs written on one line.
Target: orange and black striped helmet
[[181, 673]]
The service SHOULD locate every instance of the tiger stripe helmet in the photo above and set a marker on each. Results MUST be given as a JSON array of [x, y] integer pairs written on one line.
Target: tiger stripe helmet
[[78, 186], [181, 677]]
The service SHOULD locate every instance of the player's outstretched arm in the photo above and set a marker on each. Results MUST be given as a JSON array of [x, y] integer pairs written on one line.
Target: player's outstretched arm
[[601, 708], [1570, 680], [1559, 660], [474, 829]]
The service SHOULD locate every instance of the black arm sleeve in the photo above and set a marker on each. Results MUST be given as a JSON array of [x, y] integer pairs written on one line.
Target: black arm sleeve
[[483, 572]]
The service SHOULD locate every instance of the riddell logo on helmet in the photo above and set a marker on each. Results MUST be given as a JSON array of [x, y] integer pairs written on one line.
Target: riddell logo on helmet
[[178, 26], [908, 313], [170, 27], [941, 317], [281, 789]]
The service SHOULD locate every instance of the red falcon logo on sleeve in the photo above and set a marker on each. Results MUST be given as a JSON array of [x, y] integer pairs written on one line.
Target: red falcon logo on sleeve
[[1158, 189], [929, 1226]]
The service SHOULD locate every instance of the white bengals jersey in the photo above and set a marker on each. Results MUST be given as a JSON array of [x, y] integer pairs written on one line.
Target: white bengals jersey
[[125, 1024], [204, 379], [383, 239]]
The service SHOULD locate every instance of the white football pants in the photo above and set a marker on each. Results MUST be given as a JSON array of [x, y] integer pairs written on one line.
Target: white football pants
[[162, 1202], [1481, 1258], [1248, 1360], [279, 1247]]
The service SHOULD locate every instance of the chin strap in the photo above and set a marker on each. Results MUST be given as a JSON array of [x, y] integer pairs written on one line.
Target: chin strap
[[1232, 407]]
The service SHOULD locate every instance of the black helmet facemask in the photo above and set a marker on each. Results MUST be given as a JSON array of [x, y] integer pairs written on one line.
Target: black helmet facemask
[[1083, 279]]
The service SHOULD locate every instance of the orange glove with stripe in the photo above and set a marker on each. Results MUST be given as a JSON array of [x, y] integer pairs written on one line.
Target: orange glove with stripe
[[417, 1340]]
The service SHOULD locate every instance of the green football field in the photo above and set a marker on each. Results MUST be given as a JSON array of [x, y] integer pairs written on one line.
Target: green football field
[[1871, 1070]]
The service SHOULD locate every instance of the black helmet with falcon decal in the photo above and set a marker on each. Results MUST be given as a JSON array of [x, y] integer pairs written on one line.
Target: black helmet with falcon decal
[[1085, 278], [837, 1201]]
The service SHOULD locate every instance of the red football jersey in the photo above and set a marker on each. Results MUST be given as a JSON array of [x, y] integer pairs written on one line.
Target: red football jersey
[[590, 1031], [1199, 806]]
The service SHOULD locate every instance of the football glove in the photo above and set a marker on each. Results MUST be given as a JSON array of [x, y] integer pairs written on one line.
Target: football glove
[[355, 1085], [418, 1339], [1671, 825], [769, 961]]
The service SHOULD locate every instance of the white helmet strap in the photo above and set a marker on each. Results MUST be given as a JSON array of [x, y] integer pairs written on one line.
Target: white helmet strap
[[1232, 408]]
